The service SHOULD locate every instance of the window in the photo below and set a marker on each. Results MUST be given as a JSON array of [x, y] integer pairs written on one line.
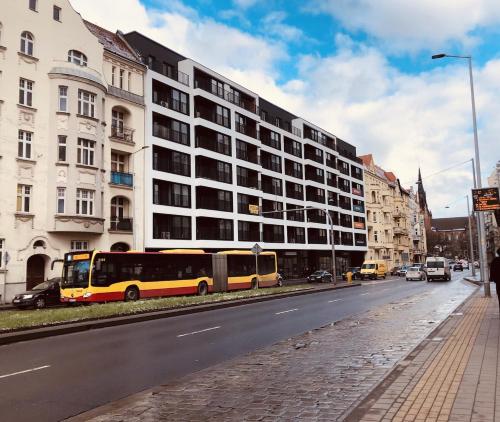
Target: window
[[25, 92], [61, 148], [2, 252], [61, 196], [117, 122], [56, 13], [222, 116], [151, 61], [118, 162], [63, 98], [171, 194], [79, 245], [84, 202], [167, 226], [375, 236], [32, 4], [113, 70], [223, 144], [180, 101], [86, 103], [23, 198], [27, 43], [129, 81], [77, 57], [85, 152], [122, 73], [24, 144]]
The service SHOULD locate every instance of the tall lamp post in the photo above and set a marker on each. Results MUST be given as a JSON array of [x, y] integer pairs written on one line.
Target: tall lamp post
[[471, 243], [482, 238], [134, 224]]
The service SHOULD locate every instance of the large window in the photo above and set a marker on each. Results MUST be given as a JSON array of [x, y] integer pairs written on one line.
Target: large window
[[214, 228], [171, 194], [25, 92], [79, 245], [24, 144], [63, 98], [85, 152], [117, 122], [171, 161], [248, 231], [61, 199], [222, 116], [77, 57], [24, 193], [86, 103], [167, 226], [214, 199], [84, 202], [180, 101], [27, 43], [32, 4]]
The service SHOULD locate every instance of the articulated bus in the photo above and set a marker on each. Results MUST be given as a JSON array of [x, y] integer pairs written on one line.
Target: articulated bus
[[96, 276]]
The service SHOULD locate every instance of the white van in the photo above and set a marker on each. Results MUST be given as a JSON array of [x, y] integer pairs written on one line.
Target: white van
[[438, 268]]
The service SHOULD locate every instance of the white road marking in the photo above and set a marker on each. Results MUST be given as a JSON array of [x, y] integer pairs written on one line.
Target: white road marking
[[284, 312], [364, 294], [25, 371], [335, 300], [197, 332]]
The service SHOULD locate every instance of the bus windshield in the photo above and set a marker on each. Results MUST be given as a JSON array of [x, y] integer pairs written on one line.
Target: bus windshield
[[76, 274], [368, 266]]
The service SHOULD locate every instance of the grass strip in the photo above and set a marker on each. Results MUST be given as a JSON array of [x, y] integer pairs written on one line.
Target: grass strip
[[15, 319]]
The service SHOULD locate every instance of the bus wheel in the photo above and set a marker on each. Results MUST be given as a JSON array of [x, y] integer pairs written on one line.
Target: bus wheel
[[202, 289], [255, 284], [131, 294]]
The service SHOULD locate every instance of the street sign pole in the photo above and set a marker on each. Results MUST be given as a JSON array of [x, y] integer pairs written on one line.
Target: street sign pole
[[257, 250]]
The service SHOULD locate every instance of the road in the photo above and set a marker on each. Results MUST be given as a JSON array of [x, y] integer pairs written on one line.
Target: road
[[54, 378]]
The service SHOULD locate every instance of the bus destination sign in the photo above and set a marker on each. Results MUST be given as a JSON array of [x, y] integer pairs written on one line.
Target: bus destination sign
[[485, 199]]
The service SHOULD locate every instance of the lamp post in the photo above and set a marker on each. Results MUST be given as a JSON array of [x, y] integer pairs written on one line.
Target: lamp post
[[471, 243], [330, 221], [134, 225], [482, 237]]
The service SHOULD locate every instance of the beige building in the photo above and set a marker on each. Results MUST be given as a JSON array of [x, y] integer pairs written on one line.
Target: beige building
[[395, 225], [71, 118]]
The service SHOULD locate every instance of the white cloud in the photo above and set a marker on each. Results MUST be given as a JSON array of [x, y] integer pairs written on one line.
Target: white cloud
[[245, 4], [273, 24], [413, 25], [406, 121]]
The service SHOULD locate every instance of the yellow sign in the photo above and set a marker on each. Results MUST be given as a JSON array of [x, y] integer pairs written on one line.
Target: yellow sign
[[253, 209], [81, 257]]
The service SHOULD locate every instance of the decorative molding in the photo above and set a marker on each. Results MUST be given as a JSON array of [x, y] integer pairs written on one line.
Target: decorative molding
[[27, 58], [85, 166], [24, 217], [62, 163], [95, 119], [26, 161]]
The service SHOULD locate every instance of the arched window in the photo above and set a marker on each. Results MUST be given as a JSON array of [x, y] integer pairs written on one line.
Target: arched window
[[27, 43], [76, 57]]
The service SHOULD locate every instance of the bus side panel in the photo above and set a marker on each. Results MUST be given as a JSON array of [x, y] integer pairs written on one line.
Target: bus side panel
[[267, 270], [240, 271]]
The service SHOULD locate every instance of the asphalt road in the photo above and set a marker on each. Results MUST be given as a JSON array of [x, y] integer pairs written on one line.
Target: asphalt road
[[54, 378]]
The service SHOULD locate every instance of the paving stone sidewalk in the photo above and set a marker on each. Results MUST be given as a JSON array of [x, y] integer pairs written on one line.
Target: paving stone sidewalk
[[452, 376], [317, 376]]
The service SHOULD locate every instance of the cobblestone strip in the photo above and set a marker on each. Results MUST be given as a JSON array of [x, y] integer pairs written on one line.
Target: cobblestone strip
[[426, 389]]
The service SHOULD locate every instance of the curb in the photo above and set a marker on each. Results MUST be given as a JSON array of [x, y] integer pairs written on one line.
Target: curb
[[352, 413], [474, 281], [69, 327]]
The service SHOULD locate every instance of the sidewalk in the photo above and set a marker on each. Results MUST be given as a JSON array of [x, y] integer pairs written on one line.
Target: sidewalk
[[451, 376]]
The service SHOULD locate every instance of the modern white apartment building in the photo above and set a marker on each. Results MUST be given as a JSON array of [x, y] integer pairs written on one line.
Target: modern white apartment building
[[71, 117], [221, 159]]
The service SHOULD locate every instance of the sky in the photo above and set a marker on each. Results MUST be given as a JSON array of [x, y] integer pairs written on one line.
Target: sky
[[360, 69]]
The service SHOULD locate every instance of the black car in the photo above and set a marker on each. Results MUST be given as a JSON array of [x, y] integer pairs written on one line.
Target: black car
[[458, 267], [42, 295], [356, 273], [320, 276]]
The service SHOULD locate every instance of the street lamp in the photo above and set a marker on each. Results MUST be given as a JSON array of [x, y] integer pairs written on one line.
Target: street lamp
[[482, 236], [134, 224], [471, 244]]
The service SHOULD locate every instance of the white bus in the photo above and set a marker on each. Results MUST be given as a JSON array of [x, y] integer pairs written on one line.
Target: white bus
[[438, 268]]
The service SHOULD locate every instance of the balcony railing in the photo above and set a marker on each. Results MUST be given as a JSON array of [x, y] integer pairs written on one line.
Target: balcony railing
[[172, 104], [209, 114], [122, 132], [121, 224], [119, 178], [246, 130], [400, 231], [170, 134]]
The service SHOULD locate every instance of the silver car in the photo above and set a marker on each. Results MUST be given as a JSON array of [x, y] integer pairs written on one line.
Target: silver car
[[415, 273]]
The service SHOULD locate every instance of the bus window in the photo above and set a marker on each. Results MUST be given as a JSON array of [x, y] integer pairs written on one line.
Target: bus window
[[240, 265], [266, 264]]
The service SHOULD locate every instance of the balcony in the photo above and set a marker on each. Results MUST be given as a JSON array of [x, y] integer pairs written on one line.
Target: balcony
[[246, 129], [121, 224], [400, 231], [356, 191], [122, 179], [170, 134], [208, 111], [358, 208], [123, 133]]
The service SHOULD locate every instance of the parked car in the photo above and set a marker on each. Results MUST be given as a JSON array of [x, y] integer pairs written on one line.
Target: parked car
[[458, 267], [419, 265], [415, 273], [356, 273], [395, 270], [465, 264], [320, 276], [373, 269], [402, 270], [42, 295]]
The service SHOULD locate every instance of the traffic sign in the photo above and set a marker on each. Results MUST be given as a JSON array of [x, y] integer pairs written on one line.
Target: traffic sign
[[485, 199], [256, 249]]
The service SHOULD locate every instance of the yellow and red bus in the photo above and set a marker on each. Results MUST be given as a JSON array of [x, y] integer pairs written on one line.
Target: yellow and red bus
[[96, 276]]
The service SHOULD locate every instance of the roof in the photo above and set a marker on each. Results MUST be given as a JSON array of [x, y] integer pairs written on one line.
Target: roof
[[449, 224], [366, 159], [113, 42]]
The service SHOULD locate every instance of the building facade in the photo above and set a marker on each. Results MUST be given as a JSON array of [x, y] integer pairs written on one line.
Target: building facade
[[224, 164], [492, 219], [57, 120]]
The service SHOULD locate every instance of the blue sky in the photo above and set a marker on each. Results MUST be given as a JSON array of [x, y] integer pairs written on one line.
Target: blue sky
[[360, 69]]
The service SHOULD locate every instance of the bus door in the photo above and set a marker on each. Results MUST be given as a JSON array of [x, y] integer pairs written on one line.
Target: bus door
[[219, 265]]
